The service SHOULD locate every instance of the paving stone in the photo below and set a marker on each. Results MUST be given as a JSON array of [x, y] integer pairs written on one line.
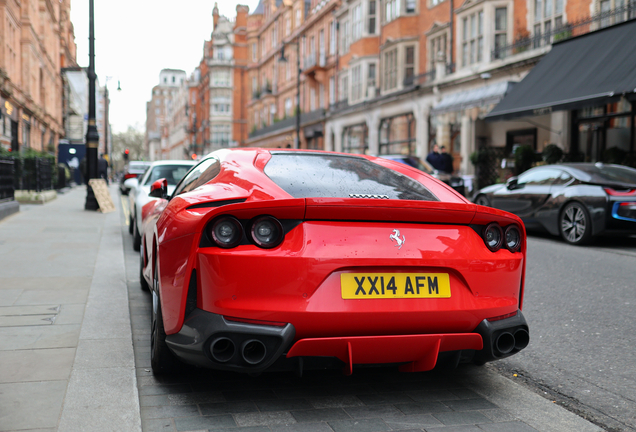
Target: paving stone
[[157, 425], [498, 415], [283, 405], [515, 426], [431, 395], [470, 428], [469, 404], [248, 395], [158, 400], [464, 393], [264, 419], [165, 389], [205, 422], [362, 425], [17, 400], [377, 411], [36, 365], [417, 421], [169, 411], [384, 398], [303, 427], [335, 402], [422, 408], [317, 415], [195, 398], [461, 418], [228, 408]]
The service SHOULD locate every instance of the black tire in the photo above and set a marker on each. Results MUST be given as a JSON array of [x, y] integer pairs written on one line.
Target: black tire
[[142, 279], [162, 360], [575, 224], [130, 224], [482, 200], [136, 236]]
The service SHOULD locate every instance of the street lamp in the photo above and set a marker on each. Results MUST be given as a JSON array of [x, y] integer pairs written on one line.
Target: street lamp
[[107, 147], [92, 136], [283, 59]]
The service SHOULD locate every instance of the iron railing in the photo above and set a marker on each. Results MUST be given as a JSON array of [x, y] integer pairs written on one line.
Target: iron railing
[[7, 190], [34, 173], [567, 31]]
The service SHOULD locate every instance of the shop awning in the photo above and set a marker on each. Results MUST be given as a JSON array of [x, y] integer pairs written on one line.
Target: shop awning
[[482, 96], [587, 70]]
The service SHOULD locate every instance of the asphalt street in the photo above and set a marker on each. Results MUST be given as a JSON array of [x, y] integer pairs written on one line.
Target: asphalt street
[[579, 303]]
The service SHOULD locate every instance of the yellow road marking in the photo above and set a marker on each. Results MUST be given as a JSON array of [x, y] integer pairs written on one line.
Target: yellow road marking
[[124, 206]]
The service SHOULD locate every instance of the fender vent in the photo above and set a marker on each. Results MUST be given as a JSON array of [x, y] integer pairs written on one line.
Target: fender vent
[[191, 299], [373, 196]]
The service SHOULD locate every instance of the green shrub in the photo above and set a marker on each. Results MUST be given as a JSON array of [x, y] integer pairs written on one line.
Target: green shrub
[[524, 158], [552, 154]]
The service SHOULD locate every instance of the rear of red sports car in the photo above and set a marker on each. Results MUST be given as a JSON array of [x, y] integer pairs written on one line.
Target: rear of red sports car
[[293, 260]]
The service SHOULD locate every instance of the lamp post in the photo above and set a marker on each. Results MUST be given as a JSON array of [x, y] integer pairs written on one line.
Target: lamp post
[[92, 136], [107, 148], [298, 71]]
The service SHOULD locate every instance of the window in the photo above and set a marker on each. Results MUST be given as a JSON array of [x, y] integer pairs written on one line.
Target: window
[[254, 87], [332, 38], [199, 175], [410, 6], [344, 86], [371, 81], [321, 96], [435, 2], [437, 48], [312, 99], [275, 35], [287, 26], [321, 47], [539, 177], [221, 135], [389, 78], [391, 10], [221, 105], [371, 28], [221, 78], [548, 15], [297, 23], [356, 83], [288, 106], [344, 37], [263, 49], [332, 90], [409, 64], [501, 30], [473, 38], [356, 23]]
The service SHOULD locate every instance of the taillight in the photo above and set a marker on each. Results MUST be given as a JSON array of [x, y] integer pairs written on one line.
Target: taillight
[[512, 238], [614, 192], [493, 236], [267, 232], [226, 232], [129, 175]]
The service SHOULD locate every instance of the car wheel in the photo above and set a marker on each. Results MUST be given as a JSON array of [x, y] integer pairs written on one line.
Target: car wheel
[[482, 200], [136, 236], [162, 360], [130, 224], [575, 224], [142, 279]]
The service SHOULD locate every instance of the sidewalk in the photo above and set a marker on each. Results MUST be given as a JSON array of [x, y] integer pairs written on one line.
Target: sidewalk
[[65, 337]]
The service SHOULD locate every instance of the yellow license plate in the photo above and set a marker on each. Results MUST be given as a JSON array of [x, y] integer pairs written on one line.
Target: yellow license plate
[[394, 285]]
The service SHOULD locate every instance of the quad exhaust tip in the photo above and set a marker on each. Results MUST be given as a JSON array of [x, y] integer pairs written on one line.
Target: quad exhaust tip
[[222, 349], [522, 339], [505, 343], [253, 351]]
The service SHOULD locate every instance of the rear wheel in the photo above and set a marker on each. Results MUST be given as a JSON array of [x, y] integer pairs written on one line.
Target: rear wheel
[[482, 200], [136, 235], [130, 224], [142, 279], [162, 360], [575, 224]]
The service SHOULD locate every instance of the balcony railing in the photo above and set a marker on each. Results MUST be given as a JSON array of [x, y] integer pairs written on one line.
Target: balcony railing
[[567, 31], [313, 60]]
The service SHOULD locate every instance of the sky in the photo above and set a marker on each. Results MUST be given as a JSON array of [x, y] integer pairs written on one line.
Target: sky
[[135, 39]]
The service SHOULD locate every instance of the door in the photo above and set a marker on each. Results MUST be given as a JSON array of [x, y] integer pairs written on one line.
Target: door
[[528, 195]]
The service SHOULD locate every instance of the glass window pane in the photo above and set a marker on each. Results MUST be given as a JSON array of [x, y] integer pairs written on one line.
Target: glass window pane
[[473, 27], [480, 23], [501, 19], [465, 29], [558, 7], [537, 10], [547, 9], [480, 49], [410, 55]]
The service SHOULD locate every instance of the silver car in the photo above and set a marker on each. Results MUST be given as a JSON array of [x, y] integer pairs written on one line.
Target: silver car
[[171, 170]]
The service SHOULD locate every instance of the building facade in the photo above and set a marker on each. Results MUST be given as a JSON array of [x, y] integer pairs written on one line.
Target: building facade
[[37, 42]]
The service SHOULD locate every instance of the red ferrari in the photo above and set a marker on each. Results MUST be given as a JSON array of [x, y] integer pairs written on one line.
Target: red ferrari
[[290, 260]]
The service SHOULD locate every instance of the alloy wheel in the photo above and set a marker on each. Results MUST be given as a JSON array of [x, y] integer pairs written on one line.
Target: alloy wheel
[[574, 223]]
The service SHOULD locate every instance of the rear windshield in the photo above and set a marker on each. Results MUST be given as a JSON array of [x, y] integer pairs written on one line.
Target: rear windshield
[[138, 166], [615, 174], [308, 175]]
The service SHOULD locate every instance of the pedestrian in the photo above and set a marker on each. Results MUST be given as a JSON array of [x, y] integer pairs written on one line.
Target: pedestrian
[[102, 165], [447, 161], [435, 158]]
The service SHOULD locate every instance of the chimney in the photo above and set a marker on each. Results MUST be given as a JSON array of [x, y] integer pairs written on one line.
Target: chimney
[[215, 15]]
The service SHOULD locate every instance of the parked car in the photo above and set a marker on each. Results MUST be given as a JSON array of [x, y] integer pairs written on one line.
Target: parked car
[[134, 169], [289, 259], [455, 182], [577, 201], [171, 170]]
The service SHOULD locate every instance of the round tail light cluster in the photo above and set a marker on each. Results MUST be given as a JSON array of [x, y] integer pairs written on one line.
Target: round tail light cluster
[[264, 231], [495, 237]]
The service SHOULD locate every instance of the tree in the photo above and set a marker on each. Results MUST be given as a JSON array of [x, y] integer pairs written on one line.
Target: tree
[[133, 140]]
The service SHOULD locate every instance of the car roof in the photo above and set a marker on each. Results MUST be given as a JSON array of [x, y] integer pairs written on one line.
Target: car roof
[[174, 162]]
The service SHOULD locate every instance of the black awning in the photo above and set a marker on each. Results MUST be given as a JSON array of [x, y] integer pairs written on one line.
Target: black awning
[[583, 71]]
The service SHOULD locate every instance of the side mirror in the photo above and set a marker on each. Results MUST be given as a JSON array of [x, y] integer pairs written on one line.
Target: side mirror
[[131, 183], [512, 183], [159, 189]]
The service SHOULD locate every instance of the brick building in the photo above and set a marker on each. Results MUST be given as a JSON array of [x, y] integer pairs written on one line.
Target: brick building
[[37, 42]]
